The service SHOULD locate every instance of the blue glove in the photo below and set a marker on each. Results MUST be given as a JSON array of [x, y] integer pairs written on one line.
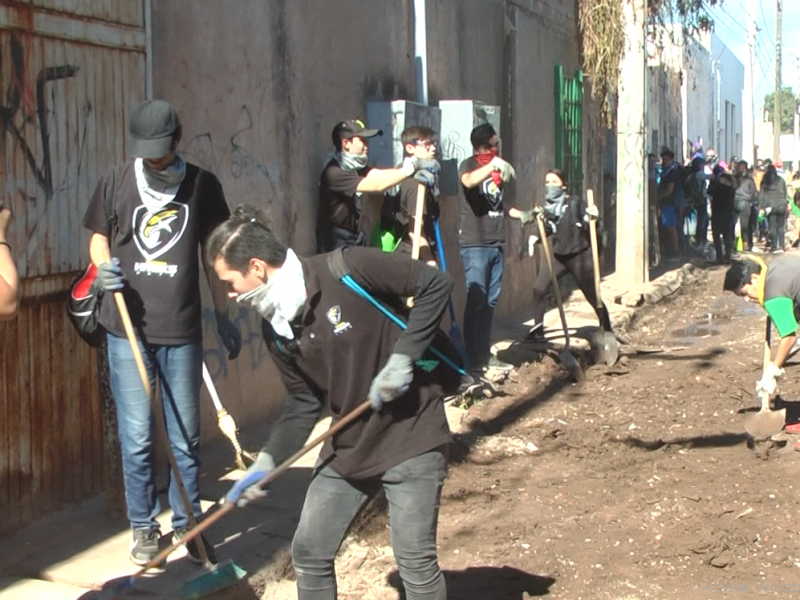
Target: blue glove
[[230, 334], [392, 381], [110, 276], [246, 489], [426, 178]]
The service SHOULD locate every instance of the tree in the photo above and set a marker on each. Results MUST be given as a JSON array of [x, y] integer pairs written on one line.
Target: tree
[[787, 108]]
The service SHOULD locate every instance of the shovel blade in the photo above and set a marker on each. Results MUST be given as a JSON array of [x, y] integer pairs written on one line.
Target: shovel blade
[[604, 347], [763, 425]]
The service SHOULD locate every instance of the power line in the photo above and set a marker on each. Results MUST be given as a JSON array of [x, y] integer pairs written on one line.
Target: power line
[[766, 27]]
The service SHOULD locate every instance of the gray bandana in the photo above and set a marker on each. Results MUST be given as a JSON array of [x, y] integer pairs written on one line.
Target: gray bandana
[[161, 181], [350, 162], [555, 202]]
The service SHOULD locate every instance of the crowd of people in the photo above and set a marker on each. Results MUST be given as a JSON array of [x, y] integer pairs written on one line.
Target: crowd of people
[[746, 206]]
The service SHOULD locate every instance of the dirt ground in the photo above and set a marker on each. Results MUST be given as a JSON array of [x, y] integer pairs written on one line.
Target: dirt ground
[[641, 484]]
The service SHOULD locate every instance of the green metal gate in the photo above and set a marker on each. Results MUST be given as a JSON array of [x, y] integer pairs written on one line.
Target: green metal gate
[[569, 127]]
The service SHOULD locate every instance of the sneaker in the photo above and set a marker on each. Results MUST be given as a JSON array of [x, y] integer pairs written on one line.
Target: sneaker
[[793, 428], [192, 551], [144, 545], [778, 251], [496, 363], [797, 446], [536, 334]]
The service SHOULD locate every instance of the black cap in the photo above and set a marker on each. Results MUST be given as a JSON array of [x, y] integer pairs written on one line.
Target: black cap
[[152, 125], [346, 130], [667, 152]]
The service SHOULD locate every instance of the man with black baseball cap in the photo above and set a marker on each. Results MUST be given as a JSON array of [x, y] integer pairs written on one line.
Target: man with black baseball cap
[[345, 178], [148, 216]]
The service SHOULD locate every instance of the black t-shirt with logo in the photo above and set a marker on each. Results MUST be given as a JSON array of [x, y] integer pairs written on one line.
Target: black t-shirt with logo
[[482, 212], [339, 202], [158, 252], [408, 207]]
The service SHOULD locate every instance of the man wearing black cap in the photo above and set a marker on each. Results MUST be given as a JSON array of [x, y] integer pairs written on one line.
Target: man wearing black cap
[[148, 217], [345, 178]]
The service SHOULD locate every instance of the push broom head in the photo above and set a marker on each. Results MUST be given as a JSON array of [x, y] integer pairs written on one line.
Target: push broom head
[[221, 576]]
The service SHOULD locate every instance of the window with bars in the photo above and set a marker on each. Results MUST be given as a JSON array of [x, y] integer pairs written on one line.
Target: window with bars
[[569, 127]]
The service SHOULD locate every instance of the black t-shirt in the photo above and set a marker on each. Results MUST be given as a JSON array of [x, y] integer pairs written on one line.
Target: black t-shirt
[[722, 196], [482, 212], [158, 252], [408, 207], [341, 344], [339, 202]]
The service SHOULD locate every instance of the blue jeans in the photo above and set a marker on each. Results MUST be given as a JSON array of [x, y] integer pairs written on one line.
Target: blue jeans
[[483, 267], [413, 489], [179, 370]]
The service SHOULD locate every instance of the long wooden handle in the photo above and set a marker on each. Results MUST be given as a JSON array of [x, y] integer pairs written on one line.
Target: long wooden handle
[[548, 256], [280, 470], [129, 331], [419, 211], [595, 250], [767, 361]]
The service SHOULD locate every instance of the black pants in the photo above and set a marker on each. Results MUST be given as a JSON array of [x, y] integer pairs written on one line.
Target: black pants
[[722, 227], [777, 227], [582, 269]]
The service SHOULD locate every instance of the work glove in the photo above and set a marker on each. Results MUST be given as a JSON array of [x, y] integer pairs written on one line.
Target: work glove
[[230, 334], [392, 381], [246, 489], [110, 276], [507, 172], [768, 382], [526, 216], [537, 210], [426, 178], [592, 212]]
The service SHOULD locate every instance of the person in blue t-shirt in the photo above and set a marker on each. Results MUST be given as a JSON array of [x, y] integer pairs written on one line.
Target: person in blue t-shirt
[[670, 202]]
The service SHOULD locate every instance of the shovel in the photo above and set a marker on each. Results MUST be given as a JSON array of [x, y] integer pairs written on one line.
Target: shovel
[[605, 341], [766, 422], [569, 361], [226, 423]]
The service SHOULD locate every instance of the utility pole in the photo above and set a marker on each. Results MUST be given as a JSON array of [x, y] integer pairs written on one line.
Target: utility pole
[[776, 118], [749, 109], [631, 252]]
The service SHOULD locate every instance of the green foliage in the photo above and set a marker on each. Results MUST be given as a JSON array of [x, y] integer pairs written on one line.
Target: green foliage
[[787, 108], [602, 33]]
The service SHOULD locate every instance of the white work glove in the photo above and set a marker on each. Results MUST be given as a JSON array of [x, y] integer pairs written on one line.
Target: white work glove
[[592, 212], [246, 489], [507, 172], [393, 380], [768, 383]]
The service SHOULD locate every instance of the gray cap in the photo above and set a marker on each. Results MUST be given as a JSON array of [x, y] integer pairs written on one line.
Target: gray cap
[[152, 124]]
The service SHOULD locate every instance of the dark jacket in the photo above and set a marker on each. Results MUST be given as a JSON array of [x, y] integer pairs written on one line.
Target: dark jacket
[[342, 342], [746, 193], [572, 231]]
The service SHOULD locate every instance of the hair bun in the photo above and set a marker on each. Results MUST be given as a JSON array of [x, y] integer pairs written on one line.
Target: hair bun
[[247, 213]]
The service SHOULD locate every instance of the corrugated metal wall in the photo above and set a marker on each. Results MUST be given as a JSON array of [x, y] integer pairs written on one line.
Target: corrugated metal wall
[[69, 73]]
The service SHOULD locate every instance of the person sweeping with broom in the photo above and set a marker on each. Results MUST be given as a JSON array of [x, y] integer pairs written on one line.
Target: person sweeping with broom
[[567, 220], [332, 346]]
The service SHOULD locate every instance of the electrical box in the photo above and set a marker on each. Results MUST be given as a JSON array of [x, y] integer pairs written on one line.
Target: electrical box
[[459, 118], [393, 118]]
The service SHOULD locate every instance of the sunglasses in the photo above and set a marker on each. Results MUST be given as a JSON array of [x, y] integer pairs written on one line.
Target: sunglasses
[[428, 145]]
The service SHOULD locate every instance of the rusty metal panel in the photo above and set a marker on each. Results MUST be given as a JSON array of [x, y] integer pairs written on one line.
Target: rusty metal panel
[[64, 115], [124, 12], [64, 105]]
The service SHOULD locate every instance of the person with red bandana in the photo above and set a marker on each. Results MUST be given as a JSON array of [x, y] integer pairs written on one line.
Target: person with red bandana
[[482, 236]]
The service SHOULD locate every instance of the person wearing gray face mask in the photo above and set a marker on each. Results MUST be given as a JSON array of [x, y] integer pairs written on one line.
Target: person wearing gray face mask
[[567, 222], [345, 179]]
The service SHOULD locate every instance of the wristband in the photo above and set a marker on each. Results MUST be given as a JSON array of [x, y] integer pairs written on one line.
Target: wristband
[[7, 245]]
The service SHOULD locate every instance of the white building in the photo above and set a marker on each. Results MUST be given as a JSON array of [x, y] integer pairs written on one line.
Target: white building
[[728, 99]]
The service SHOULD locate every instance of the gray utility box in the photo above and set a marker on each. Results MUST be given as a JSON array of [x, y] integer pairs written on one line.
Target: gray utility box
[[459, 118], [393, 117]]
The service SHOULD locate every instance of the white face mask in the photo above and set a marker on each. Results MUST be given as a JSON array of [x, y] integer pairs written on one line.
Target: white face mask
[[281, 298]]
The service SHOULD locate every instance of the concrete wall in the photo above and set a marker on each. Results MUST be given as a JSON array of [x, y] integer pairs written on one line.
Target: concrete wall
[[259, 86], [731, 90]]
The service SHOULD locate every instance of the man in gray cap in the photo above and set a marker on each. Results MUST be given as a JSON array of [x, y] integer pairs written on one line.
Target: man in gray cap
[[346, 177], [148, 216]]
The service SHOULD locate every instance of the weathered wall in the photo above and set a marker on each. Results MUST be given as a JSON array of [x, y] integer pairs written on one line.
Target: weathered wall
[[731, 98], [260, 91]]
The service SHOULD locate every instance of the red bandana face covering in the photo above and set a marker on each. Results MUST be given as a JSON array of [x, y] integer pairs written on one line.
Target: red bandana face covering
[[485, 159]]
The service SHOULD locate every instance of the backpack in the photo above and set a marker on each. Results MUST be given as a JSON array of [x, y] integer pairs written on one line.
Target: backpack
[[692, 190], [388, 232]]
